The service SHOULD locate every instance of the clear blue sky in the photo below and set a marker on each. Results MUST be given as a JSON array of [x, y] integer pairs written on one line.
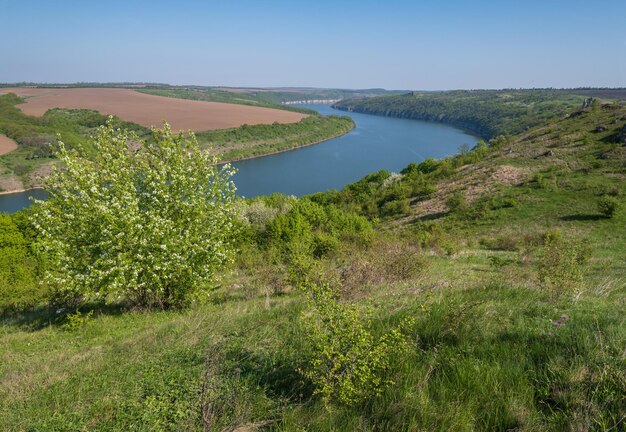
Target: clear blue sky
[[416, 44]]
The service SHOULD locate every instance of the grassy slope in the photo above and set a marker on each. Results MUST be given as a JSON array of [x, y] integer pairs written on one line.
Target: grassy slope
[[487, 355]]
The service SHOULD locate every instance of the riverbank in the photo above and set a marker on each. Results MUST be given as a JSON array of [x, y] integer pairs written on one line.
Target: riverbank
[[31, 137], [248, 142], [11, 192], [291, 148]]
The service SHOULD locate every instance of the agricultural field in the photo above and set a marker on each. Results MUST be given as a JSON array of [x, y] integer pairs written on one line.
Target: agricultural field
[[149, 110], [7, 145]]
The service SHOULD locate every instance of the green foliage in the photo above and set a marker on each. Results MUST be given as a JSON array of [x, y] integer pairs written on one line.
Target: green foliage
[[150, 223], [19, 269], [77, 320], [310, 228], [499, 142], [563, 264], [609, 205], [456, 202], [254, 140], [489, 113], [349, 364]]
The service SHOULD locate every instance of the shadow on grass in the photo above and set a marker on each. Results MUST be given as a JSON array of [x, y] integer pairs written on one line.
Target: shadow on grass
[[44, 316], [582, 217], [429, 217], [279, 378]]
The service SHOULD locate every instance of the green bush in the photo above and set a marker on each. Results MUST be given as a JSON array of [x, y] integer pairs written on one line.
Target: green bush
[[349, 364], [609, 205], [151, 225], [19, 285], [456, 202], [563, 264]]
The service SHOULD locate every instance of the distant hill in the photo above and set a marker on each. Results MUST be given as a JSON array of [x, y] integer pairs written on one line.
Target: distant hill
[[486, 112]]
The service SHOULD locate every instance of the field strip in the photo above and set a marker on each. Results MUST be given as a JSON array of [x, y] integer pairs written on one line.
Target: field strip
[[7, 145]]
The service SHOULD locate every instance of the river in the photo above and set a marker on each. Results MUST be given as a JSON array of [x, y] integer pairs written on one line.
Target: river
[[375, 143]]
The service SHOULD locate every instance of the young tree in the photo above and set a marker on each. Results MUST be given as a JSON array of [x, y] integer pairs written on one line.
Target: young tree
[[147, 221]]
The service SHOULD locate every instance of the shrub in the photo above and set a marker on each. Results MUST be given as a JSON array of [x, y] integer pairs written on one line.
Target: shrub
[[456, 202], [393, 208], [609, 205], [349, 365], [149, 222], [77, 320], [258, 214], [563, 264], [18, 268]]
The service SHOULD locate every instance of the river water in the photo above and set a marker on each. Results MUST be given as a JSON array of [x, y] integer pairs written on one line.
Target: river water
[[375, 143]]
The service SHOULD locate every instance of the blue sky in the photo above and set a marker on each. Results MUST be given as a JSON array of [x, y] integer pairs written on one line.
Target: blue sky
[[349, 44]]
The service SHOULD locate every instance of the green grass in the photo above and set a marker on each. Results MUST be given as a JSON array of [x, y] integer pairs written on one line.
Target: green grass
[[484, 358], [257, 140]]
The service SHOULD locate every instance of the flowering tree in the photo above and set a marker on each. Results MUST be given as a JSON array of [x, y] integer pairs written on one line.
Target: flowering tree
[[148, 221]]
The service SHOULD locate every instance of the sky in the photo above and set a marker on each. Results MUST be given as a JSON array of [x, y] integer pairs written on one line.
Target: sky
[[416, 45]]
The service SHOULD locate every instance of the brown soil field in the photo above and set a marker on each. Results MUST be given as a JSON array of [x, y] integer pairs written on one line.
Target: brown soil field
[[6, 144], [150, 110]]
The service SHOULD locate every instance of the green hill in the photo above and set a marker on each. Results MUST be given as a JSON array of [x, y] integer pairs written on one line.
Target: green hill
[[487, 112], [506, 263]]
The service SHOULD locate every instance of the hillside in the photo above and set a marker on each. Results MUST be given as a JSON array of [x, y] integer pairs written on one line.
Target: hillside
[[501, 264], [488, 113]]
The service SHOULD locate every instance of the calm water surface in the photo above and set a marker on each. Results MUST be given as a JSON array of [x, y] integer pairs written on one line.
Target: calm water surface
[[375, 143]]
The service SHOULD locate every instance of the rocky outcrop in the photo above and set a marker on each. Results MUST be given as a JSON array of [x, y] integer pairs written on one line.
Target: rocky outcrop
[[588, 102]]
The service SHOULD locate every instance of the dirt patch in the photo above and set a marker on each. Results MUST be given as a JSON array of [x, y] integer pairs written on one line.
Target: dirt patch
[[150, 110], [473, 183], [10, 183], [7, 145], [509, 175], [36, 178]]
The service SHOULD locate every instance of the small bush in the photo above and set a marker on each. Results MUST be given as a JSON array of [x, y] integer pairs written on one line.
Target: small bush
[[395, 208], [349, 364], [608, 205], [563, 264], [77, 320], [152, 226], [456, 202]]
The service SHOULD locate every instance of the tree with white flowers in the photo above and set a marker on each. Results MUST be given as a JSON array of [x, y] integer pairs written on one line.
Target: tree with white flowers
[[149, 221]]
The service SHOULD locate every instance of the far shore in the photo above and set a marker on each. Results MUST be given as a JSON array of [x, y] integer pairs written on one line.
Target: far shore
[[222, 162], [19, 190]]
